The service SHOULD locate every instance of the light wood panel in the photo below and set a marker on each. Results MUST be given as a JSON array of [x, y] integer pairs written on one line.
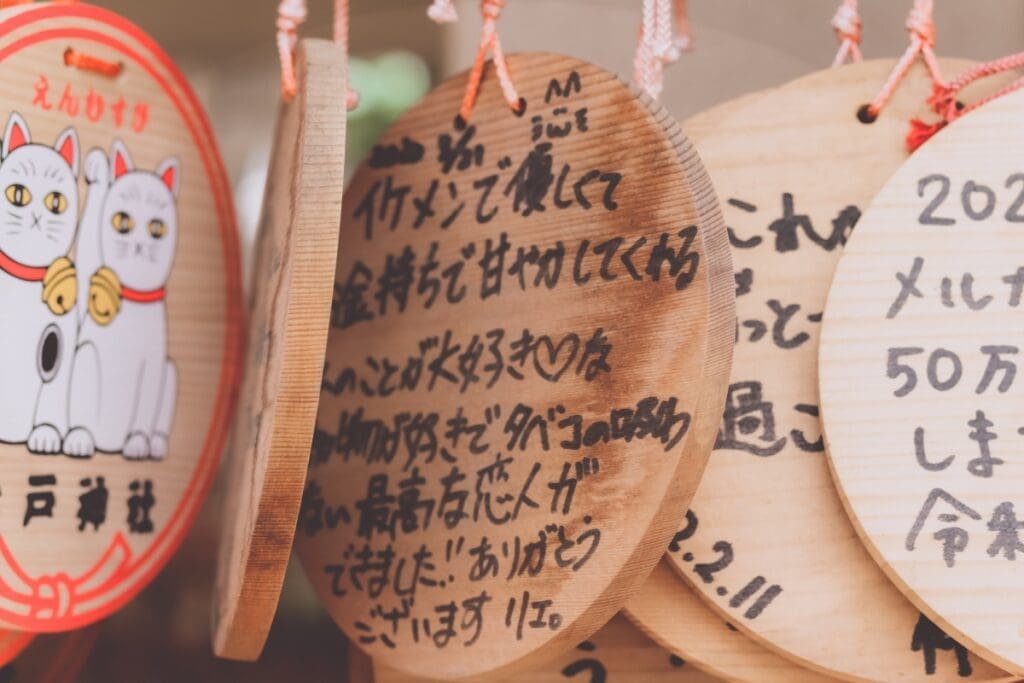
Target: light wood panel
[[919, 385], [579, 374], [289, 312]]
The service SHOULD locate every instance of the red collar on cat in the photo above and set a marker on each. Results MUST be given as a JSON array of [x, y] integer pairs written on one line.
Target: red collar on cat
[[142, 297], [20, 270]]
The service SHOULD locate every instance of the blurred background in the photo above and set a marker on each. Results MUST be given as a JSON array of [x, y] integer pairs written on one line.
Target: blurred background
[[226, 48]]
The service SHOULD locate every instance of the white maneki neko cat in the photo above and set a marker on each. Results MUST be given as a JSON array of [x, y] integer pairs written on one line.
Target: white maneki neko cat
[[124, 387], [90, 372]]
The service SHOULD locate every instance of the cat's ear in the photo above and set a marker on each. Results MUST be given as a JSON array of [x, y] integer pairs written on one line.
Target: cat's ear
[[16, 134], [169, 171], [67, 147], [120, 161]]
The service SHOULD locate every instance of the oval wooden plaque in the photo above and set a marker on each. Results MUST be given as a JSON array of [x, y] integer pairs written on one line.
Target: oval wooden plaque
[[290, 308], [921, 399], [618, 653], [526, 314], [665, 607], [794, 180], [119, 274]]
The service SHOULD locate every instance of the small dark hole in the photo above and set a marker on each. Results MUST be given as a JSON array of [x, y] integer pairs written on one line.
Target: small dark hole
[[520, 108], [460, 123], [960, 105], [864, 114], [48, 354]]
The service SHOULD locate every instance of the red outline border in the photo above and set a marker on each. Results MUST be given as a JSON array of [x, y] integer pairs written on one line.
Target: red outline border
[[199, 127]]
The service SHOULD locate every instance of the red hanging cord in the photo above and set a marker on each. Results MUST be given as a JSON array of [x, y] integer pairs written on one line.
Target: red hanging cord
[[490, 10], [73, 57], [847, 25], [290, 15], [341, 38], [658, 45], [683, 40], [80, 60], [922, 43], [943, 99]]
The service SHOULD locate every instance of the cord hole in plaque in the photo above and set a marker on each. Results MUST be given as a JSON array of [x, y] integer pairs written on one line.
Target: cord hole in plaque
[[520, 108], [864, 114]]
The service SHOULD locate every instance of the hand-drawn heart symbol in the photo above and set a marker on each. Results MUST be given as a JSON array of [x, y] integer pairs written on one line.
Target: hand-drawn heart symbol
[[550, 367]]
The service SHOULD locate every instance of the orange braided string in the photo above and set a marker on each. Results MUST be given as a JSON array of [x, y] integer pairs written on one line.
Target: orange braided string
[[489, 41], [922, 42], [943, 99], [658, 45], [290, 15], [847, 25]]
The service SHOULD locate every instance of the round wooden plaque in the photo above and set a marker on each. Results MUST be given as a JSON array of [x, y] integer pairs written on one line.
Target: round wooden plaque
[[919, 383], [289, 311], [672, 613], [618, 653], [119, 277], [526, 314], [795, 168]]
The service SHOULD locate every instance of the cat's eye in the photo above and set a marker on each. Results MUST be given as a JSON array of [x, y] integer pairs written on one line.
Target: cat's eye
[[122, 222], [56, 203], [157, 228], [18, 195]]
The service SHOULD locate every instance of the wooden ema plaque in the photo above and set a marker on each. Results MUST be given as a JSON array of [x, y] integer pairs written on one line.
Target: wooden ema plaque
[[794, 181], [527, 314], [119, 277], [618, 653], [675, 617], [290, 308], [665, 607], [920, 391]]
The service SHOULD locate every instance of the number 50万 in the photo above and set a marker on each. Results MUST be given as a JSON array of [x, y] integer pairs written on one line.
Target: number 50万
[[944, 369]]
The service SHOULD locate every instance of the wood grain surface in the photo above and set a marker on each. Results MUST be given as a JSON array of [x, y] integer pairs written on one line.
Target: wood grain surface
[[289, 312], [795, 168], [920, 393], [529, 311], [132, 388]]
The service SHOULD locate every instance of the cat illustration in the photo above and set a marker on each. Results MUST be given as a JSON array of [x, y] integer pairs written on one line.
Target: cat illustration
[[38, 287], [124, 387]]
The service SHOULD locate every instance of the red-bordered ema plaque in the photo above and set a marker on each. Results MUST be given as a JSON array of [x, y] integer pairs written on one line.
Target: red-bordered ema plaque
[[120, 302]]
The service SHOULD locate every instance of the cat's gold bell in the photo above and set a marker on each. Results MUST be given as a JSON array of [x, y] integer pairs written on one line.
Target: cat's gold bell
[[104, 296], [60, 286]]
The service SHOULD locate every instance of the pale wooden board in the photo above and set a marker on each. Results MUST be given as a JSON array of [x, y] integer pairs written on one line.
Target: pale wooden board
[[618, 653], [53, 658], [771, 578], [872, 433], [673, 615], [289, 313], [665, 342], [203, 324]]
